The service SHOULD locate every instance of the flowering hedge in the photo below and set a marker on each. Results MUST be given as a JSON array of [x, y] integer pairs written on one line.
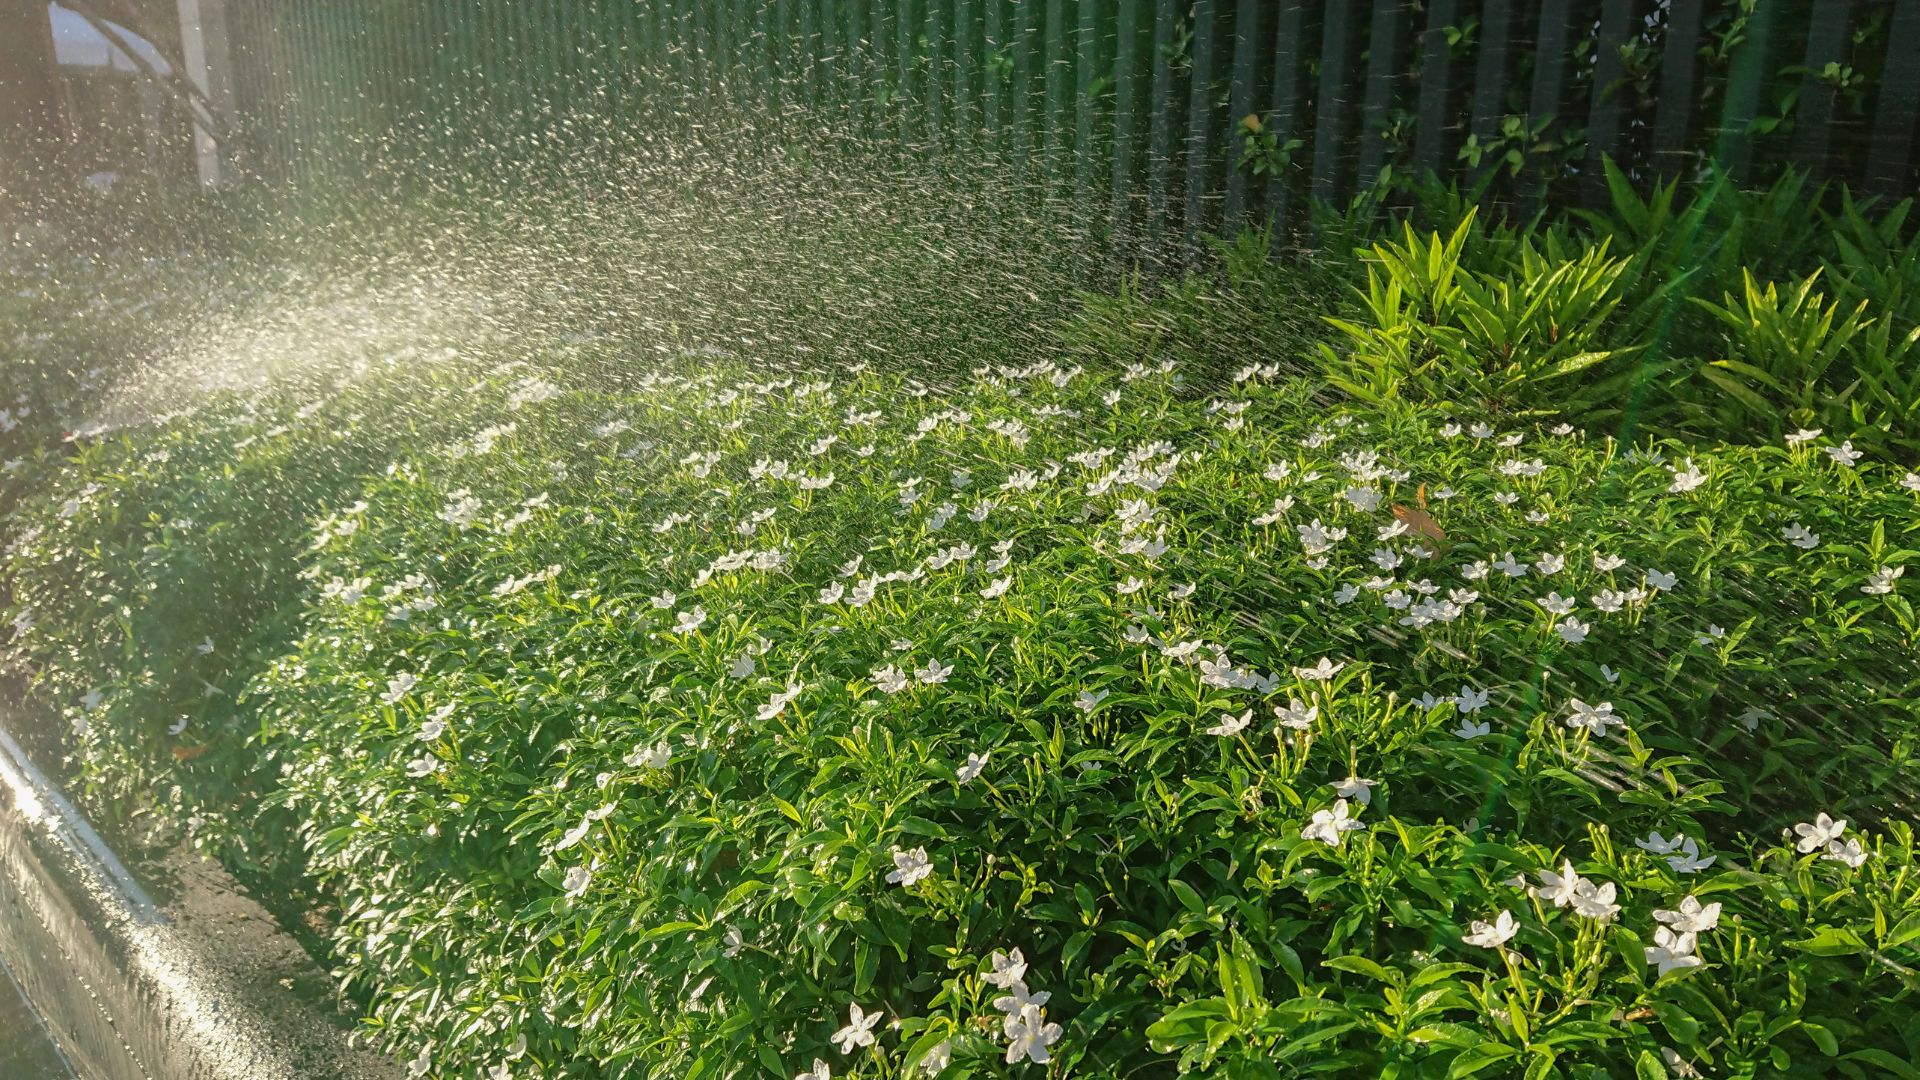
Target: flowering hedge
[[723, 726]]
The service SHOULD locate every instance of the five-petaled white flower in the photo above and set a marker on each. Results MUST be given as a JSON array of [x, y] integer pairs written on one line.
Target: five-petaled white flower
[[1844, 455], [1297, 714], [1849, 852], [1494, 934], [1231, 725], [1558, 889], [1686, 479], [909, 867], [820, 1071], [398, 687], [576, 882], [1030, 1035], [1819, 832], [1360, 791], [1691, 916], [859, 1029], [1008, 968], [972, 768], [1328, 825], [934, 673], [1089, 700], [1321, 671], [1594, 901], [1595, 718], [1672, 950], [1880, 582]]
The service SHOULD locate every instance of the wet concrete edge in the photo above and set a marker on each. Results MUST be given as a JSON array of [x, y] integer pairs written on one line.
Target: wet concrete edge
[[202, 987]]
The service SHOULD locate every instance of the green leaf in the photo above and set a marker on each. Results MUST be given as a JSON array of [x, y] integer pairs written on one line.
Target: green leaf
[[1648, 1066], [1474, 1059]]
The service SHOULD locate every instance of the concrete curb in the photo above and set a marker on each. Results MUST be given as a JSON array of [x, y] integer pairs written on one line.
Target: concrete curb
[[201, 985]]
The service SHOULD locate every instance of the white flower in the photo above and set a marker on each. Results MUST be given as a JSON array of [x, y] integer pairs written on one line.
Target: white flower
[[1686, 479], [1469, 700], [1678, 1065], [1297, 714], [938, 1058], [1655, 844], [971, 770], [820, 1071], [1558, 889], [1801, 537], [1327, 825], [1008, 969], [890, 679], [1321, 671], [1089, 700], [419, 1066], [832, 593], [1688, 859], [859, 1029], [1844, 454], [1547, 564], [1661, 581], [1360, 791], [576, 881], [1691, 917], [1468, 729], [1594, 718], [398, 687], [575, 835], [1594, 901], [1851, 852], [1672, 951], [1881, 582], [1017, 998], [909, 867], [1555, 604], [1030, 1035], [778, 703], [934, 673], [423, 767], [1494, 934], [650, 757], [690, 621], [1231, 725], [1607, 563], [1803, 435], [1609, 674], [1572, 630], [1911, 481], [997, 587], [1819, 832]]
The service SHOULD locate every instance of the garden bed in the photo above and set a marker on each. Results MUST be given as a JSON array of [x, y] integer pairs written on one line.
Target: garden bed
[[1124, 708]]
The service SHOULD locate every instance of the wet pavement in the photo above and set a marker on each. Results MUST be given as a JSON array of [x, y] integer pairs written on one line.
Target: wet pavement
[[26, 1053]]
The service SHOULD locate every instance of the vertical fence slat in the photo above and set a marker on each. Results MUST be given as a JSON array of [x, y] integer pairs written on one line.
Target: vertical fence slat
[[1160, 129], [1745, 78], [1827, 41], [1431, 117], [1490, 78], [1329, 129], [1240, 98], [1283, 107], [1678, 61], [1085, 70], [1022, 89], [1054, 71], [1604, 110], [1199, 119], [993, 45], [1551, 51], [1888, 160], [1126, 96], [1383, 76]]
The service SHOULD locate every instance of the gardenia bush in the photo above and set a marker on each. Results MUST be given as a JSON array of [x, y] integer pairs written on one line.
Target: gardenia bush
[[1090, 723]]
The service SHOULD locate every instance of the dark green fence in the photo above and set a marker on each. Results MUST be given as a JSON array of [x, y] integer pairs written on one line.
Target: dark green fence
[[1160, 119]]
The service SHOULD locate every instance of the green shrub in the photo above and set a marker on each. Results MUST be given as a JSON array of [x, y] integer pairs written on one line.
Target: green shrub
[[626, 739], [156, 572]]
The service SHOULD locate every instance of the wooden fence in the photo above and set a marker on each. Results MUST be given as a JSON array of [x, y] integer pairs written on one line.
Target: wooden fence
[[1162, 119]]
